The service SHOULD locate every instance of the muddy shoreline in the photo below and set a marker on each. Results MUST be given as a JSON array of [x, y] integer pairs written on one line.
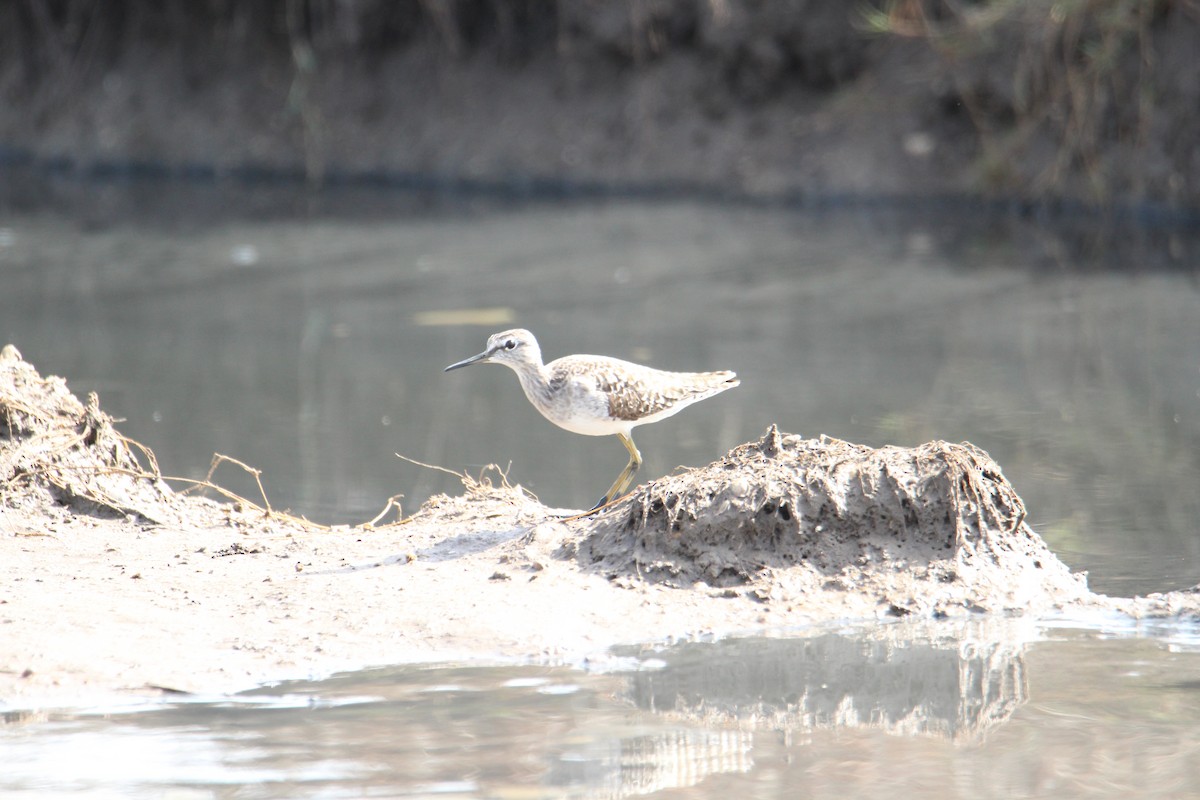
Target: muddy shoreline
[[118, 583]]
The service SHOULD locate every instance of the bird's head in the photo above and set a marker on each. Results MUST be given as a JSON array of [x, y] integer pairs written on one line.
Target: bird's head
[[515, 348]]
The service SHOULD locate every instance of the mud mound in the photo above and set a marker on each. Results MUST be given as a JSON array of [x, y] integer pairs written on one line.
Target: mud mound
[[59, 456], [930, 528], [55, 450]]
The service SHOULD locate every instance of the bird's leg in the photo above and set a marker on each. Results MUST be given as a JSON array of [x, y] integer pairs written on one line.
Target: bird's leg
[[626, 477]]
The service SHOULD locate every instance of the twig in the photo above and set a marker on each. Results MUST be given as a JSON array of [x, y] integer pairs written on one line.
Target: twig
[[460, 475], [392, 502], [219, 459]]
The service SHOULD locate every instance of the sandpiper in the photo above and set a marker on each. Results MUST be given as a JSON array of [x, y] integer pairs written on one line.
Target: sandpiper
[[597, 395]]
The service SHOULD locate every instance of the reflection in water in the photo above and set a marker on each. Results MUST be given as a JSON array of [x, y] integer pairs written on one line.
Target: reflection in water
[[638, 765], [492, 730], [902, 686]]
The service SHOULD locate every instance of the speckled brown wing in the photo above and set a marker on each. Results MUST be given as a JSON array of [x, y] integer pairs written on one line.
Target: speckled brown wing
[[637, 392]]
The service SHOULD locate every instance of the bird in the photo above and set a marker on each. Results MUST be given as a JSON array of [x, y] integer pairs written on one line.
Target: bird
[[598, 395]]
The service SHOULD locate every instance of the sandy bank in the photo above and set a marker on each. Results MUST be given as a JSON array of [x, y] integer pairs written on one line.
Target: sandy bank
[[112, 580]]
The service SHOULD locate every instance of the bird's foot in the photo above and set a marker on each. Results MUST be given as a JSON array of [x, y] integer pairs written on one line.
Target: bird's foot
[[604, 503]]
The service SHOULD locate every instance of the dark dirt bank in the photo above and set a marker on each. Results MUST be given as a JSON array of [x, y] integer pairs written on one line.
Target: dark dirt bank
[[1097, 101], [110, 579]]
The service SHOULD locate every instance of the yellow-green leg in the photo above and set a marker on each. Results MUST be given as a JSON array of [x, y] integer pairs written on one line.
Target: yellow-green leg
[[626, 477]]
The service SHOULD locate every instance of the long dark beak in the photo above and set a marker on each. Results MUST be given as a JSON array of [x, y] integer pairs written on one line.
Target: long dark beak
[[466, 362]]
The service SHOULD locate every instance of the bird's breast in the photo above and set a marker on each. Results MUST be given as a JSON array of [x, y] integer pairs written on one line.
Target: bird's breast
[[574, 404]]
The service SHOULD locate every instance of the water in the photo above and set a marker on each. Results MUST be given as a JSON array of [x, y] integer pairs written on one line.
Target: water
[[306, 336], [985, 710]]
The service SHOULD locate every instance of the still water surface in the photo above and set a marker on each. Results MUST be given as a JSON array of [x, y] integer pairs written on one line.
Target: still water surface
[[310, 344], [974, 711]]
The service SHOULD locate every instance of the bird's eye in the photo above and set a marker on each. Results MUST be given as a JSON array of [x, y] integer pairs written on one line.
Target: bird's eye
[[510, 345]]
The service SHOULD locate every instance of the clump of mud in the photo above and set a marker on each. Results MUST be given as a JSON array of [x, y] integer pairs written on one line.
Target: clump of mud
[[930, 529]]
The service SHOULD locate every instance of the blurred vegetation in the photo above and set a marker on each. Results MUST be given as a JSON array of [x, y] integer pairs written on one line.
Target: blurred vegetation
[[1092, 98], [47, 34], [1086, 78]]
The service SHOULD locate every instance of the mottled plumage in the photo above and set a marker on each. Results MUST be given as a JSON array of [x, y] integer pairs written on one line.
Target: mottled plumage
[[597, 395]]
